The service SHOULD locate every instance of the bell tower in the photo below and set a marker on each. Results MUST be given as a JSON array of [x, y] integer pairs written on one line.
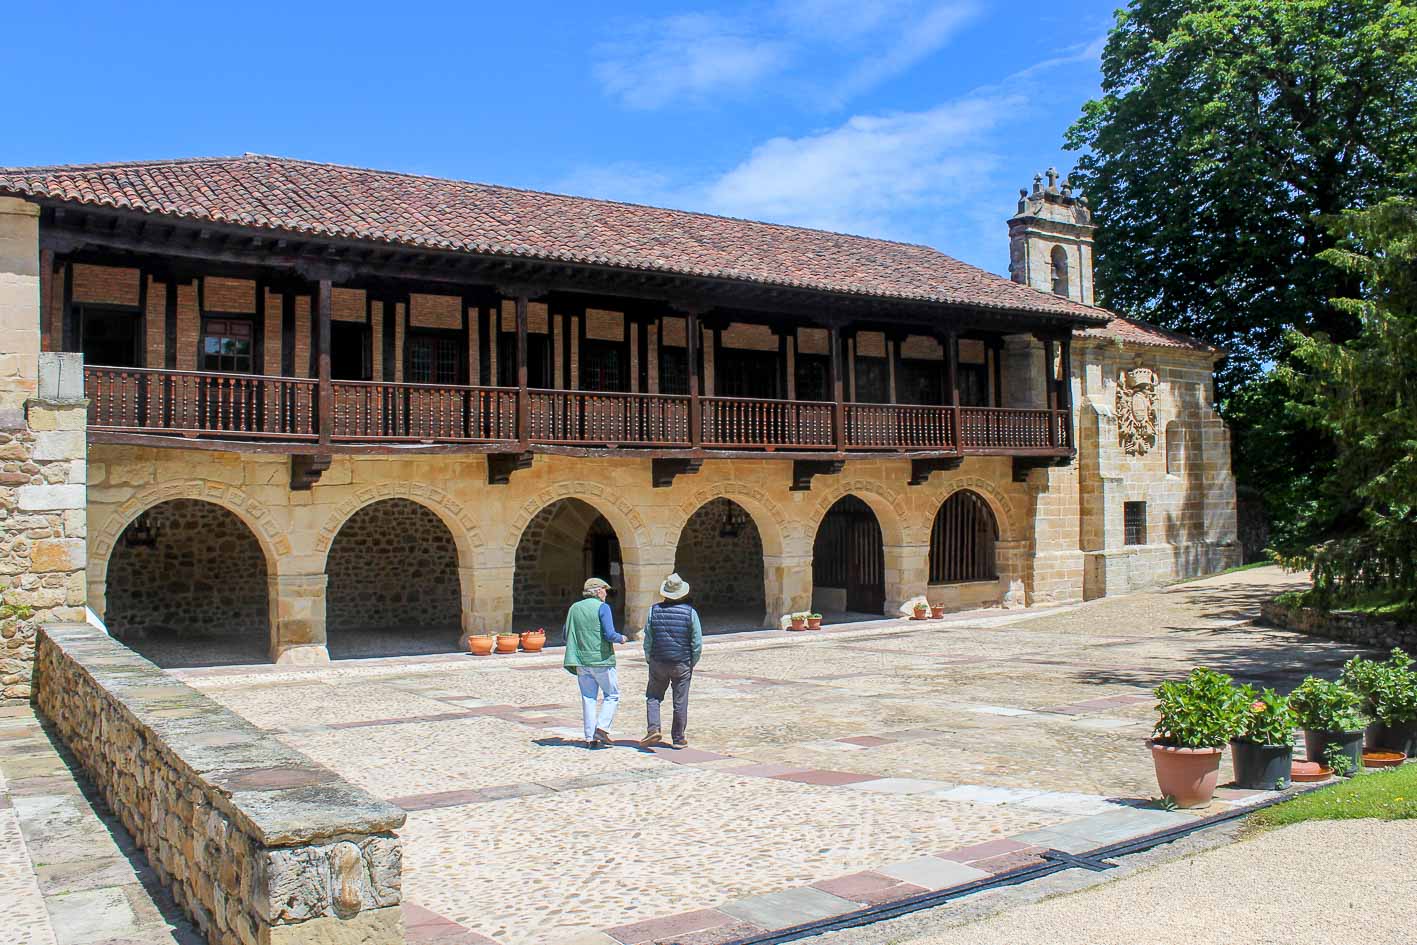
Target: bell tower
[[1050, 240]]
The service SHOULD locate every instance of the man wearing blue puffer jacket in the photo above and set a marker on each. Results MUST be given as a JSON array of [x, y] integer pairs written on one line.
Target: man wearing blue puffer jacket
[[673, 641]]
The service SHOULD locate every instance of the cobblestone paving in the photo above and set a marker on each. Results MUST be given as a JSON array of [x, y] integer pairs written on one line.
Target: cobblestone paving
[[827, 770]]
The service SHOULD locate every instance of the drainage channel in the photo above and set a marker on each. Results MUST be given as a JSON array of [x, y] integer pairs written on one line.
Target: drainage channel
[[1054, 861]]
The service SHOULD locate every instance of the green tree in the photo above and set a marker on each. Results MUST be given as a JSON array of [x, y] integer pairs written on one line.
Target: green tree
[[1227, 132], [1363, 392]]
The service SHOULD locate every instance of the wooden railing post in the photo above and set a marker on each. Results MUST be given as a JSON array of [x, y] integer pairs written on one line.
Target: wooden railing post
[[1052, 388], [838, 398], [327, 396], [691, 351], [523, 396], [952, 378]]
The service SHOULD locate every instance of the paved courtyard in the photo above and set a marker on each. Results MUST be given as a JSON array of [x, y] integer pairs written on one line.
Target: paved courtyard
[[826, 769]]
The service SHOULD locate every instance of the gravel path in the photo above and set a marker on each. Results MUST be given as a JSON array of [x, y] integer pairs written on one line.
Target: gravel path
[[1325, 883]]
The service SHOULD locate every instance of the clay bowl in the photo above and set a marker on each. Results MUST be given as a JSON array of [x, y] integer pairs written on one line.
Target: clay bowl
[[1382, 758], [1308, 771]]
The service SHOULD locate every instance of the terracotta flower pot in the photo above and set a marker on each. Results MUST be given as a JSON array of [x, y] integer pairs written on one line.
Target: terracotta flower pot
[[1186, 775], [480, 646], [814, 623], [1381, 758], [937, 611], [797, 624], [533, 640], [921, 612], [1307, 772], [507, 642]]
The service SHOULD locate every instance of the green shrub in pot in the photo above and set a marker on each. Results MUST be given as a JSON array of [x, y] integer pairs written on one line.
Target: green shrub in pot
[[1197, 716], [1263, 747], [1394, 702], [1330, 713]]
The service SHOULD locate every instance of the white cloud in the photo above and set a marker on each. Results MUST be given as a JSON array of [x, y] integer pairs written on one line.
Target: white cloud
[[686, 57], [919, 37]]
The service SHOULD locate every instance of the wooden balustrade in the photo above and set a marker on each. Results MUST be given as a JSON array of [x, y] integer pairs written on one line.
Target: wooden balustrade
[[373, 410], [196, 403], [996, 428], [899, 427], [244, 406], [607, 418], [740, 422]]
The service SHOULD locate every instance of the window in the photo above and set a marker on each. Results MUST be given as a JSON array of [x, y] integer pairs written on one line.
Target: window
[[228, 344], [674, 371], [962, 540], [538, 360], [1175, 448], [813, 376], [1060, 271], [743, 373], [434, 358], [920, 382], [872, 378], [110, 336], [1134, 523], [603, 366]]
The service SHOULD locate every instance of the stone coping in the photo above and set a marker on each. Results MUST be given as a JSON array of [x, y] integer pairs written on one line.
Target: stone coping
[[1345, 626], [272, 792]]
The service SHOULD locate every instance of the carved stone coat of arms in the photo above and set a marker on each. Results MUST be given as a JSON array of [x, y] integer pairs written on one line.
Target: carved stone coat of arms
[[1136, 411]]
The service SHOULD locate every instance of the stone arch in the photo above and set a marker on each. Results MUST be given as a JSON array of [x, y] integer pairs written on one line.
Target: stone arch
[[720, 552], [892, 511], [963, 540], [460, 523], [192, 588], [999, 504], [849, 560], [619, 512], [563, 544], [1059, 260], [275, 545], [767, 515]]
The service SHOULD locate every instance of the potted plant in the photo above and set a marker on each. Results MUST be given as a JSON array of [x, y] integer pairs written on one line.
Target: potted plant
[[797, 621], [533, 640], [937, 611], [1197, 716], [507, 641], [1262, 751], [480, 643], [1389, 692], [922, 610], [814, 621], [1330, 715]]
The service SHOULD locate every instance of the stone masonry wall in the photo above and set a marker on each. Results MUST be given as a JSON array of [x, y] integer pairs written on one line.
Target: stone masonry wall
[[723, 572], [1346, 627], [259, 845], [206, 573], [42, 453], [393, 564]]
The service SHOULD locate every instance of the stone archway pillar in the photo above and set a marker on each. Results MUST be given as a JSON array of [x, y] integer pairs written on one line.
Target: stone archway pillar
[[297, 606], [467, 597], [642, 580], [1011, 560], [490, 586], [787, 586], [907, 573]]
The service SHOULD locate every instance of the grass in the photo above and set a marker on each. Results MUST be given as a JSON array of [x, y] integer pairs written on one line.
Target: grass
[[1385, 604], [1387, 794], [1244, 567]]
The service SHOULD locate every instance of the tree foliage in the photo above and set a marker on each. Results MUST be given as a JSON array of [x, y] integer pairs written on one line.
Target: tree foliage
[[1228, 132], [1363, 393]]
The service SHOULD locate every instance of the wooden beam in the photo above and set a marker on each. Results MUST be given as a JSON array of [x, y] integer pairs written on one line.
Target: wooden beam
[[803, 471], [500, 466], [921, 469], [1066, 387], [696, 416], [306, 469], [952, 379], [1052, 390], [663, 471], [838, 398], [46, 299], [327, 391]]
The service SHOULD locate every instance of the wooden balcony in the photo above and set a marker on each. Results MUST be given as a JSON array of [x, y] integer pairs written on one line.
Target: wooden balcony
[[242, 408]]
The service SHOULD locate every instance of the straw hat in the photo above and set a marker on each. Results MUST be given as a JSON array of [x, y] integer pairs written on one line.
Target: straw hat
[[674, 588]]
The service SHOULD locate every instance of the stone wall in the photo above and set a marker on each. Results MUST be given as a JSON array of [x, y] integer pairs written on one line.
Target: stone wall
[[1346, 627], [259, 845], [392, 564], [42, 453], [725, 573], [552, 565], [204, 574]]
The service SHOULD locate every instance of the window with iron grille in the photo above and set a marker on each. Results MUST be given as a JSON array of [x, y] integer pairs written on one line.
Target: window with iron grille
[[673, 371], [1134, 523], [962, 540]]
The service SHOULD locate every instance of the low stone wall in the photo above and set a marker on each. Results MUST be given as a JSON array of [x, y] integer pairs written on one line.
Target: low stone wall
[[1346, 627], [259, 845]]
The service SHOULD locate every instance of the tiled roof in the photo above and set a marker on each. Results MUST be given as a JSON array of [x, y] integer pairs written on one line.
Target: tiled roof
[[1133, 331], [330, 200]]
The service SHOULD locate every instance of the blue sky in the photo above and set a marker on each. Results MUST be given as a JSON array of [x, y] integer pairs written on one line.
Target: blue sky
[[904, 119]]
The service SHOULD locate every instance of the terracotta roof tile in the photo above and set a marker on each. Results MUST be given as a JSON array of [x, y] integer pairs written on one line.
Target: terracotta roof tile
[[331, 200], [1134, 331]]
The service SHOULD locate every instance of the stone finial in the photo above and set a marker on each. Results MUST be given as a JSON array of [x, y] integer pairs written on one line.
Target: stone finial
[[1067, 187], [1038, 183], [1052, 180]]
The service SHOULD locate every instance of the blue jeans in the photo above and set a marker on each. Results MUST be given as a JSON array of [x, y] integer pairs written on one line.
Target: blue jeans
[[593, 681]]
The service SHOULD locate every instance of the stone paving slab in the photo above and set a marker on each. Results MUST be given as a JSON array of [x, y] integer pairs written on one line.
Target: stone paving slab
[[789, 907]]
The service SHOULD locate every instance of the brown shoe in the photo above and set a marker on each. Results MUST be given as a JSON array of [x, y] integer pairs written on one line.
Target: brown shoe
[[682, 743], [602, 737], [651, 739]]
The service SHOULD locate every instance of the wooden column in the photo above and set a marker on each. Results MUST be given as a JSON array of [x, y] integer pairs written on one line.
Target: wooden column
[[1052, 388], [839, 401], [322, 339], [892, 365], [952, 382], [46, 300], [1065, 387], [523, 397], [691, 353]]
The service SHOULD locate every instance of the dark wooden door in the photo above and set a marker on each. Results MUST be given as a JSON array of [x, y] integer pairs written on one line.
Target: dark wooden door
[[850, 553]]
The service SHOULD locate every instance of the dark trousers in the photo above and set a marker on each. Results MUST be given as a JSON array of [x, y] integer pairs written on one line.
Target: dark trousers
[[661, 677]]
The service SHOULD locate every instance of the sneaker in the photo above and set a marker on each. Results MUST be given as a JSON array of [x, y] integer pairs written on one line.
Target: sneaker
[[651, 739], [593, 744], [681, 743], [602, 738]]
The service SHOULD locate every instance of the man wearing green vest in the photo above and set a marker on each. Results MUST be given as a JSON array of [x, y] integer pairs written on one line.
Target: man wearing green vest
[[590, 657]]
